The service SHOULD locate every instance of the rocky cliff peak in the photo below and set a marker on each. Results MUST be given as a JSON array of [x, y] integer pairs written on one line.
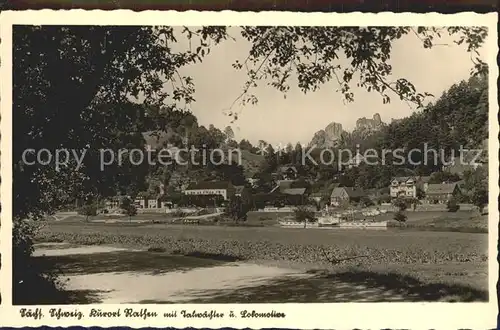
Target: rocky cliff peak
[[328, 137], [374, 123]]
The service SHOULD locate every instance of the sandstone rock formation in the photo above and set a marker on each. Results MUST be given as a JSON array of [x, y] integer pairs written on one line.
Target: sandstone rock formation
[[371, 124], [328, 137]]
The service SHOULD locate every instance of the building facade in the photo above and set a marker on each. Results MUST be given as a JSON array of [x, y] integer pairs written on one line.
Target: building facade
[[211, 188], [408, 186], [288, 172], [342, 195], [441, 193]]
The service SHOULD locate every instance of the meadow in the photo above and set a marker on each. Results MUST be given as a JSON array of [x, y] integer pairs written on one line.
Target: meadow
[[435, 256], [340, 246]]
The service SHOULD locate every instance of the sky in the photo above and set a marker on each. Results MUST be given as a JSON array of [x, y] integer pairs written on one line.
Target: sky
[[295, 119]]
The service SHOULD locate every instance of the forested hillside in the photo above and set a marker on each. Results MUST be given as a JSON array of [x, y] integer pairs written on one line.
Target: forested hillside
[[458, 118]]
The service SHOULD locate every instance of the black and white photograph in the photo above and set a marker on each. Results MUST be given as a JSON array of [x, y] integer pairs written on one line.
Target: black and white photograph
[[242, 164]]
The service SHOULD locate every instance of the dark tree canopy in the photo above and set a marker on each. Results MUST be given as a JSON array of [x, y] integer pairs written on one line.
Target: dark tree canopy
[[313, 54], [73, 88]]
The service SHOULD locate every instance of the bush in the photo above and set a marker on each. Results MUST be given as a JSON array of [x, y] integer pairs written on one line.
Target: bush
[[414, 202], [400, 217], [383, 199], [88, 210], [400, 203], [157, 249], [128, 206], [29, 275], [366, 202], [480, 199], [237, 209], [131, 210], [303, 214], [452, 205]]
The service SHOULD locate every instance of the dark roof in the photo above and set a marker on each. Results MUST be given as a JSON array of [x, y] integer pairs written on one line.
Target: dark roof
[[294, 191], [321, 193], [440, 188], [287, 168], [238, 189], [333, 186], [209, 185], [282, 185], [402, 178], [325, 192], [354, 192], [425, 179], [351, 192]]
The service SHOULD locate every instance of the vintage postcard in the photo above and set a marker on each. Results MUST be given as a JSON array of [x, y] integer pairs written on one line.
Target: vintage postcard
[[221, 169]]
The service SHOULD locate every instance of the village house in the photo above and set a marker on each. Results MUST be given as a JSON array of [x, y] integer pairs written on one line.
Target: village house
[[295, 191], [323, 193], [114, 202], [408, 186], [355, 161], [289, 196], [288, 172], [154, 203], [281, 185], [145, 202], [211, 188], [295, 195], [318, 196], [440, 193], [148, 200], [424, 182], [284, 191], [140, 202], [342, 195]]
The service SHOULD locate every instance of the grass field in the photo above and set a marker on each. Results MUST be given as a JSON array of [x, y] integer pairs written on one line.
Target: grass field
[[387, 238]]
